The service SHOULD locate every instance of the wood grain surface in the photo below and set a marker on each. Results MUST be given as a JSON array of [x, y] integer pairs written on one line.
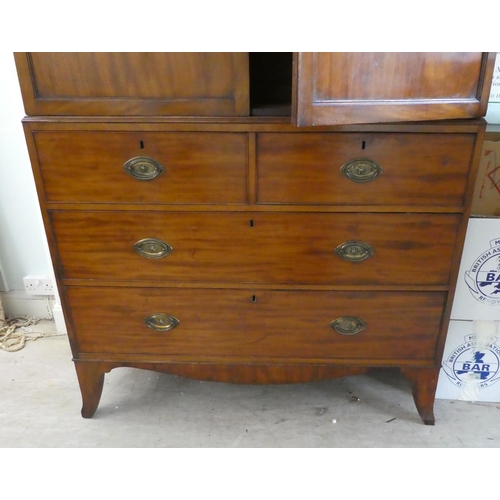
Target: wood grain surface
[[269, 325], [409, 249]]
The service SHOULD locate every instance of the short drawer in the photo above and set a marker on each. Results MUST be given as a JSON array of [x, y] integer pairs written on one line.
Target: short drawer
[[298, 248], [169, 167], [268, 325], [363, 168]]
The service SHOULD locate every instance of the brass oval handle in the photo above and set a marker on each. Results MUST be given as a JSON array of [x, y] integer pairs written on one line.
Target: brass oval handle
[[152, 248], [348, 325], [161, 322], [361, 170], [354, 251], [143, 168]]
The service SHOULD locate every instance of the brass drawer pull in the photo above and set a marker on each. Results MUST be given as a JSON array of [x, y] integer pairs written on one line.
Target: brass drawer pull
[[161, 322], [143, 168], [361, 170], [348, 325], [152, 248], [354, 251]]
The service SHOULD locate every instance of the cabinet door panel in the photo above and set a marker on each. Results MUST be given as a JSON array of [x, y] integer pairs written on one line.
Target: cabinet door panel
[[368, 87], [127, 83]]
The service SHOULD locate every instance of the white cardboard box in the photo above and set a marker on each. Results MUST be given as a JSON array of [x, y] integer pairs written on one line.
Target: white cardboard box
[[470, 369], [477, 295], [471, 359]]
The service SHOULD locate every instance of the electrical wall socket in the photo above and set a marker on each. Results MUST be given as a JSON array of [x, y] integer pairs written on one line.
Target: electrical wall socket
[[38, 285]]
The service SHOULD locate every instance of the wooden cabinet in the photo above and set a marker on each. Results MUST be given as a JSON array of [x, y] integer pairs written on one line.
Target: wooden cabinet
[[196, 230], [321, 88]]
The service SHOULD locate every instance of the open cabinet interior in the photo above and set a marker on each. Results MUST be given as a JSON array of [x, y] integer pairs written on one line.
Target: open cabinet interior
[[270, 83]]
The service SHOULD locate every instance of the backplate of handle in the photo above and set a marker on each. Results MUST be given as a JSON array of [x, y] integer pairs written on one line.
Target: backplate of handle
[[348, 325], [161, 322], [152, 248], [361, 169], [143, 168], [354, 251]]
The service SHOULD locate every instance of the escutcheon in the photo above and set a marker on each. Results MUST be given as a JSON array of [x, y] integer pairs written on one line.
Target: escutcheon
[[348, 325], [361, 170], [161, 322], [143, 168], [152, 248], [354, 251]]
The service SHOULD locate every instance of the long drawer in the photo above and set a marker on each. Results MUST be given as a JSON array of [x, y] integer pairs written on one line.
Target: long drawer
[[363, 168], [292, 248], [99, 167], [269, 325]]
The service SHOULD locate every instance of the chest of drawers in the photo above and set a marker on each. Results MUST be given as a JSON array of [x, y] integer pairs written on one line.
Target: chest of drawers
[[205, 242]]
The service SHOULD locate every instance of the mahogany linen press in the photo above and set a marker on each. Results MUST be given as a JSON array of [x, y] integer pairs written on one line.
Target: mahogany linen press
[[256, 217]]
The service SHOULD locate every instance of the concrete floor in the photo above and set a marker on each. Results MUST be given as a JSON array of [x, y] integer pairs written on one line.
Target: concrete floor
[[40, 408]]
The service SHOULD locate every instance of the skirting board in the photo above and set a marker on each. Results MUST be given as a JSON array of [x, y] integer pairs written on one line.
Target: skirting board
[[19, 303]]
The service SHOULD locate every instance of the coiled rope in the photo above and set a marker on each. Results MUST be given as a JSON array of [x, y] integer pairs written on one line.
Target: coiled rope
[[12, 339]]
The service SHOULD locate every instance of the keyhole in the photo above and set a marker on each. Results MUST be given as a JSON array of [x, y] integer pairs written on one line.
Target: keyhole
[[254, 298], [141, 144], [363, 144], [251, 222]]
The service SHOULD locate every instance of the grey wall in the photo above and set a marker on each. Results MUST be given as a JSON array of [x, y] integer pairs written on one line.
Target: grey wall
[[23, 245]]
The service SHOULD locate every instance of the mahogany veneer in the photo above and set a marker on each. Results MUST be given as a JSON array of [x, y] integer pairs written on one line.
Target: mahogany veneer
[[195, 231]]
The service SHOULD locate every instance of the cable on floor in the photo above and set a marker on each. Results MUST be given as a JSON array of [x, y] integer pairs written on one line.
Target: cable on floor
[[12, 339]]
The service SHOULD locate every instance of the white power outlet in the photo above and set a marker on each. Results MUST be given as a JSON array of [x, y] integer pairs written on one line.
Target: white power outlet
[[38, 285]]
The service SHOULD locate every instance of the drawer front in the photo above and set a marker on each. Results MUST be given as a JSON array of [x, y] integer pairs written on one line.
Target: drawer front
[[265, 324], [88, 167], [415, 169], [257, 247]]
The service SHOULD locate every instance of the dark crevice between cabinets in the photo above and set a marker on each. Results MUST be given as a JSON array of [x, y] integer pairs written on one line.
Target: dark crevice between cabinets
[[270, 83]]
